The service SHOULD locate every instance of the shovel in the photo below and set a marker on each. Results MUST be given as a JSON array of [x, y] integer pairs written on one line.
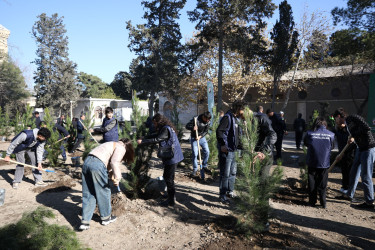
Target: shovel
[[339, 156], [27, 165], [88, 131]]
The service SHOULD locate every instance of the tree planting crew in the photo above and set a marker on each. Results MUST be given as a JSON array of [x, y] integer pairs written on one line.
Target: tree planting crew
[[227, 135], [32, 143], [266, 139], [319, 143], [109, 127], [166, 136], [278, 125], [95, 181], [342, 136], [364, 158], [80, 136], [203, 125], [62, 134], [299, 126]]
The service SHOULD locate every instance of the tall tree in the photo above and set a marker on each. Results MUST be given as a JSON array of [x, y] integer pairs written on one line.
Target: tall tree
[[234, 25], [122, 85], [55, 77], [312, 30], [12, 86], [160, 62], [92, 86], [284, 45], [358, 14]]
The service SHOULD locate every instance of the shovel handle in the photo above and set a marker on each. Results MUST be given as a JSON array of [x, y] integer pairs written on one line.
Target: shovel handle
[[27, 165]]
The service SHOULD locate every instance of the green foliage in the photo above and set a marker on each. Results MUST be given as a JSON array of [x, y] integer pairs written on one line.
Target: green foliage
[[233, 25], [94, 87], [284, 46], [122, 84], [5, 128], [55, 77], [52, 146], [24, 120], [254, 184], [88, 142], [13, 87], [137, 178], [157, 43], [315, 115], [32, 232]]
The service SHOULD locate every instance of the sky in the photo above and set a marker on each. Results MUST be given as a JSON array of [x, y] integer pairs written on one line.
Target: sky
[[98, 38]]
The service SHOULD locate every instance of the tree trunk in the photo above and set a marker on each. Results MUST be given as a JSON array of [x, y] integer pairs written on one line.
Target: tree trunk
[[220, 76], [151, 104], [275, 82], [291, 85]]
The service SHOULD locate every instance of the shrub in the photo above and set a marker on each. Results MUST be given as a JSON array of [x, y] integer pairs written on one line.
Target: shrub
[[32, 232]]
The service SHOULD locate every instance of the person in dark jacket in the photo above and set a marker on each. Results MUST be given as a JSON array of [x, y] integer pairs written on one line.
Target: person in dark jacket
[[227, 135], [364, 158], [32, 143], [109, 127], [342, 136], [266, 139], [203, 125], [299, 126], [319, 143], [80, 137], [37, 120], [62, 134], [278, 125], [166, 136]]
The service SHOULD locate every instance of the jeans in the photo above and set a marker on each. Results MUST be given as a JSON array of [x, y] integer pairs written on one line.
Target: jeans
[[205, 153], [77, 144], [63, 153], [95, 189], [363, 166], [20, 169], [228, 171]]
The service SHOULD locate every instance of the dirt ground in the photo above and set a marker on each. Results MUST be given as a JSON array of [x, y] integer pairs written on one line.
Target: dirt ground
[[199, 220]]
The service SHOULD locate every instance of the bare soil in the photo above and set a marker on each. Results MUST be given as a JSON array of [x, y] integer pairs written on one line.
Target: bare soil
[[199, 220]]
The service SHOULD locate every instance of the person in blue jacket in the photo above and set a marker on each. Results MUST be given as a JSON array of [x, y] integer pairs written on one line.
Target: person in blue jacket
[[109, 127], [166, 136], [319, 143], [228, 138]]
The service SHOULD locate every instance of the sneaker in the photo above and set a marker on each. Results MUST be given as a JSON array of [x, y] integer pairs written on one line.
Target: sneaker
[[364, 205], [40, 184], [83, 227], [224, 199], [207, 171], [15, 185], [167, 203], [343, 191], [193, 174], [231, 194], [111, 219]]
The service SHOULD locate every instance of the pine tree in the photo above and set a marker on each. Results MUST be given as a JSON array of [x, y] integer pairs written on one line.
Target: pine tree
[[55, 77], [254, 187], [160, 62], [284, 46], [122, 85], [212, 141], [53, 145], [88, 143], [138, 176]]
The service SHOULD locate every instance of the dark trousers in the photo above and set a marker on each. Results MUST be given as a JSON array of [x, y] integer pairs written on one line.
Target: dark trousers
[[318, 178], [298, 139], [345, 164], [77, 143], [278, 144], [168, 175]]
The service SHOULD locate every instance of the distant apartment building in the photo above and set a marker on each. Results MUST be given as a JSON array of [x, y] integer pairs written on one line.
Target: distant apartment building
[[4, 34]]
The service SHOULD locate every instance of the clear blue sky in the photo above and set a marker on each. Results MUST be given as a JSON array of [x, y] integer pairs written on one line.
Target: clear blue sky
[[97, 33]]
